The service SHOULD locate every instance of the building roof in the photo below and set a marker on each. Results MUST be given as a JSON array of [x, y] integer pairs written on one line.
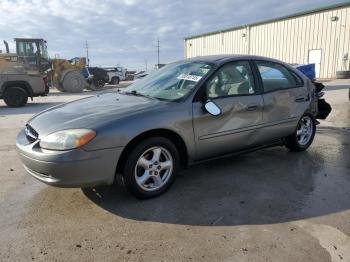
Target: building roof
[[324, 8]]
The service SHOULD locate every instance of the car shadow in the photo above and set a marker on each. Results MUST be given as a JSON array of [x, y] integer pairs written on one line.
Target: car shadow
[[267, 186], [30, 108], [336, 87]]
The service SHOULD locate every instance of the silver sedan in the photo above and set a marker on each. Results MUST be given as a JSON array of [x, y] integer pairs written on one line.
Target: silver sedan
[[186, 112]]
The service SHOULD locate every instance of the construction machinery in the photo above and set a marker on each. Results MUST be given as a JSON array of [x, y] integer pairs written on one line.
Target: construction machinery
[[32, 52], [21, 73], [66, 75], [31, 56]]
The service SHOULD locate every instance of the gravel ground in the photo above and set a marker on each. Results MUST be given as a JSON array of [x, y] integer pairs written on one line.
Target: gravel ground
[[270, 205]]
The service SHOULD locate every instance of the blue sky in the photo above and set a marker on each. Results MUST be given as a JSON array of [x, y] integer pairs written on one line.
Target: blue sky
[[125, 32]]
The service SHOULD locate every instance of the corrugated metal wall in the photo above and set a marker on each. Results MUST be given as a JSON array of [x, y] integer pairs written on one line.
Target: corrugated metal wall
[[289, 40]]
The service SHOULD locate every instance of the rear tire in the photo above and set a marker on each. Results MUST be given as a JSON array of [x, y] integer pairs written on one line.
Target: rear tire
[[115, 81], [96, 85], [151, 167], [304, 134], [57, 85], [15, 96]]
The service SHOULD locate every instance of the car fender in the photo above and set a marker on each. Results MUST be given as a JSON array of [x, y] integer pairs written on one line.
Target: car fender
[[119, 133]]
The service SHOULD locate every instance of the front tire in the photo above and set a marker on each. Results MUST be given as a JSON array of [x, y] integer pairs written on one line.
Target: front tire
[[15, 96], [304, 134], [151, 167], [74, 82]]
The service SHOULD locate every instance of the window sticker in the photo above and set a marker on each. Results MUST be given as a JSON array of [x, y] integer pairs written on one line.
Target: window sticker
[[189, 77]]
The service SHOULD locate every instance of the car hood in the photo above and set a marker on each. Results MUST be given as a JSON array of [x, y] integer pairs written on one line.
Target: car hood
[[91, 112]]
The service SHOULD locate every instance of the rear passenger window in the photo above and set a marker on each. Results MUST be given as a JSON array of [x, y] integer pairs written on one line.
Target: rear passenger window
[[275, 76]]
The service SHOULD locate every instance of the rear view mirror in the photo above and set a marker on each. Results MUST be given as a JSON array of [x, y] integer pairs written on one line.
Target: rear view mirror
[[212, 108]]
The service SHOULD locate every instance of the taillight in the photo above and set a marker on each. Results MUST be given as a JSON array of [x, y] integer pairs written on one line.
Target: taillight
[[46, 81]]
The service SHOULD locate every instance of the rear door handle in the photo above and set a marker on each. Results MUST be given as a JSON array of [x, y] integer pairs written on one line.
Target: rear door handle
[[302, 98], [252, 107]]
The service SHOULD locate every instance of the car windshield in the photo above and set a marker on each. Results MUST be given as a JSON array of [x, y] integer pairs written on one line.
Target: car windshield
[[171, 82]]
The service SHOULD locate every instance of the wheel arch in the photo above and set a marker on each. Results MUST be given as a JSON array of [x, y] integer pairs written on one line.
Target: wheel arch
[[174, 137], [308, 111], [23, 84]]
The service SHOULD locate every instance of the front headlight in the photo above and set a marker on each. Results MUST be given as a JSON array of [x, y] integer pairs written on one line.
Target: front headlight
[[67, 139]]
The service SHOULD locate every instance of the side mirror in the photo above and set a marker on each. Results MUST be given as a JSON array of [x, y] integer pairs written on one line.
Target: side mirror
[[212, 108]]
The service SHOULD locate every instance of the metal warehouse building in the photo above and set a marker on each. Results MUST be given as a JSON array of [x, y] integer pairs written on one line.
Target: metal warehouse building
[[320, 36]]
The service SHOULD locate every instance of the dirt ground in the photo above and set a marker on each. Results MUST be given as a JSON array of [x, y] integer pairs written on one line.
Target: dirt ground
[[270, 205]]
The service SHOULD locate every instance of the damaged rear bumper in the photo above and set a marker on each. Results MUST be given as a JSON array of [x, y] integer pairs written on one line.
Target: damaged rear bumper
[[323, 108]]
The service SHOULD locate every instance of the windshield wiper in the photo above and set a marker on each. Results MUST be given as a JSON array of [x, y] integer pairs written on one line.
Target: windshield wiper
[[135, 93]]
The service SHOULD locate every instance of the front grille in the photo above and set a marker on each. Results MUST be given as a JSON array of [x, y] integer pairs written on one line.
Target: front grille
[[31, 134]]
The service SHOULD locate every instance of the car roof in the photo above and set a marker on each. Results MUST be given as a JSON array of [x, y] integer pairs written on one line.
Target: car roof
[[220, 59]]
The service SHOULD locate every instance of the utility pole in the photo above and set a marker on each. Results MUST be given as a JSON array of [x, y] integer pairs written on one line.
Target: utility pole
[[87, 53], [158, 46]]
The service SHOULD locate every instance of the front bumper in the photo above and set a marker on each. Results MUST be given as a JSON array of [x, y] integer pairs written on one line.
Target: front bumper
[[72, 168]]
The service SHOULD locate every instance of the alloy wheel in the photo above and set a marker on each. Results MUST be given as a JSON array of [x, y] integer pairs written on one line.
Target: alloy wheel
[[304, 130], [154, 168]]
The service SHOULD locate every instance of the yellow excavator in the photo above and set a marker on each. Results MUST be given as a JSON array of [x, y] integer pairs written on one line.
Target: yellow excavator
[[32, 55], [66, 75]]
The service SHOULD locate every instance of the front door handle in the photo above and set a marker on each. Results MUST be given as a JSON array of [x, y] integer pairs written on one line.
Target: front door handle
[[302, 98], [252, 107]]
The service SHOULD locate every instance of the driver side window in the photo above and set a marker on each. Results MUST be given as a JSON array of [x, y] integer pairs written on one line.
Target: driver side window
[[230, 80]]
